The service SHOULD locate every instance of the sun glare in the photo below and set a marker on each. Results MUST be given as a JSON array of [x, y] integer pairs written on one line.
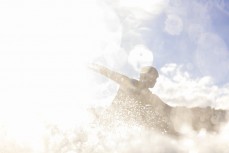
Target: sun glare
[[47, 76]]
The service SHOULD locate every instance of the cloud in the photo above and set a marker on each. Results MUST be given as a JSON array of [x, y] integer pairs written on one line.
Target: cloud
[[176, 86]]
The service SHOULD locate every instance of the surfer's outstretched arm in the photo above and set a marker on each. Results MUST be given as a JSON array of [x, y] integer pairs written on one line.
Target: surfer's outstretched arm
[[115, 76]]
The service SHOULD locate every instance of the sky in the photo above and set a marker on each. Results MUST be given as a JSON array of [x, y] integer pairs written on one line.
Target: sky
[[186, 41], [47, 45], [183, 33]]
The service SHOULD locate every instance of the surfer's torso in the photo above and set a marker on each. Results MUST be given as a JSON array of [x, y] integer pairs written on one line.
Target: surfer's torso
[[135, 104]]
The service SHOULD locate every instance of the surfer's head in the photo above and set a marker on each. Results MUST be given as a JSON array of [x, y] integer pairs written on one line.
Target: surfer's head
[[148, 76]]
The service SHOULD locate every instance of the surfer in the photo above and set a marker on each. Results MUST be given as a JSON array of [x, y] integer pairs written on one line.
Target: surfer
[[134, 102]]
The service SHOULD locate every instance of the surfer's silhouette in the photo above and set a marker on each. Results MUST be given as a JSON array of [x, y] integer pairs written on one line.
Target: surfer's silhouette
[[135, 103]]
